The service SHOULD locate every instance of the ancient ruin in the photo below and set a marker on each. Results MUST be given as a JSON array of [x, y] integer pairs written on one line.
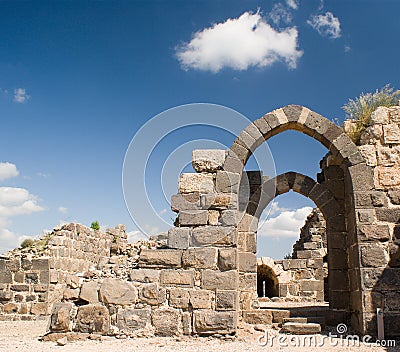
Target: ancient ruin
[[204, 278]]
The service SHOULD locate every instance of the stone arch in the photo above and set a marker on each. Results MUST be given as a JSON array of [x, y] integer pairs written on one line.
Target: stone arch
[[356, 181]]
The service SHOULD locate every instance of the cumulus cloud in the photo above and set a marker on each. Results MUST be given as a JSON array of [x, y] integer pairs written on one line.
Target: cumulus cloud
[[134, 236], [14, 201], [293, 4], [286, 224], [8, 170], [326, 25], [20, 95], [240, 43]]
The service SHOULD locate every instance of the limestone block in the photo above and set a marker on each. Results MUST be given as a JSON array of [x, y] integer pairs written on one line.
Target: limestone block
[[193, 217], [388, 176], [90, 292], [374, 232], [71, 294], [196, 183], [177, 278], [224, 280], [190, 201], [301, 328], [116, 291], [10, 308], [213, 216], [93, 318], [366, 215], [247, 262], [388, 156], [144, 275], [187, 323], [391, 133], [200, 258], [152, 294], [247, 223], [394, 196], [208, 160], [394, 253], [179, 298], [229, 218], [211, 322], [380, 115], [262, 316], [226, 300], [227, 259], [60, 317], [166, 321], [369, 154], [227, 182], [133, 320], [388, 214], [373, 255], [5, 296], [6, 277], [217, 201], [201, 299], [311, 285], [160, 258], [213, 235], [178, 238], [248, 282], [394, 113]]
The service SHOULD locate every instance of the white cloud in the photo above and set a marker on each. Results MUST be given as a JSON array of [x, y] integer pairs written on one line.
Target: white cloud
[[42, 174], [162, 211], [279, 14], [134, 236], [63, 210], [286, 224], [8, 170], [240, 43], [17, 201], [326, 25], [20, 95], [293, 4], [347, 48]]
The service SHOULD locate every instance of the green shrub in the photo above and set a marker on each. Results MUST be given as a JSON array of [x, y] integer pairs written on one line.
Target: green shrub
[[95, 225], [27, 243], [360, 109]]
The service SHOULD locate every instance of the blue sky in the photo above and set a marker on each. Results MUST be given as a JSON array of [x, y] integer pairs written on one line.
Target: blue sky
[[78, 80]]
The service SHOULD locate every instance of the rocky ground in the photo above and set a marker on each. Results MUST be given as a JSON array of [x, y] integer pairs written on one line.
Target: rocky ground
[[24, 336]]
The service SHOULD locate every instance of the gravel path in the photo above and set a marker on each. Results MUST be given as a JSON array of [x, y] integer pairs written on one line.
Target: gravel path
[[23, 336]]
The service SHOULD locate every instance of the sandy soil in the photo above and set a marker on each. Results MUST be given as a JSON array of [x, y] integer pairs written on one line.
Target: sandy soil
[[23, 336]]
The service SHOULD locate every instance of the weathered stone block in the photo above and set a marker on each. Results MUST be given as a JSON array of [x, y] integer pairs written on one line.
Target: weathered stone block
[[229, 218], [380, 115], [388, 214], [213, 216], [71, 294], [226, 300], [224, 280], [193, 217], [116, 291], [301, 328], [196, 183], [200, 258], [248, 282], [201, 299], [166, 321], [227, 259], [178, 238], [227, 182], [179, 298], [187, 323], [311, 285], [177, 278], [394, 196], [145, 275], [190, 201], [217, 201], [213, 235], [208, 160], [247, 262], [160, 258], [373, 255], [262, 316], [39, 308], [388, 176], [133, 320], [248, 223], [372, 232], [40, 264], [211, 322], [5, 296], [152, 294], [93, 319], [391, 133], [90, 292], [10, 308]]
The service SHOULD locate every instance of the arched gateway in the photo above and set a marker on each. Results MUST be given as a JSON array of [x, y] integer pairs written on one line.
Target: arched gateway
[[216, 215]]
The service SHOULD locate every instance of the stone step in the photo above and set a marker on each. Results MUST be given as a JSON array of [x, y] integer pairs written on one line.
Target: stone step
[[296, 320], [301, 328], [317, 320]]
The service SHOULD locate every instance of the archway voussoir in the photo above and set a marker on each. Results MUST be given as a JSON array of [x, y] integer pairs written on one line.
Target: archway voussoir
[[262, 126], [292, 112], [240, 151]]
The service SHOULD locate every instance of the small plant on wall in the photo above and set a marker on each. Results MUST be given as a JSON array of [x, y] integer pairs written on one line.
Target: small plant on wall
[[95, 225], [359, 110]]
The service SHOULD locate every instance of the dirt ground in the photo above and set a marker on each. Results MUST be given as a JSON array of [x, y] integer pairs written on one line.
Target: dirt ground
[[24, 336]]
